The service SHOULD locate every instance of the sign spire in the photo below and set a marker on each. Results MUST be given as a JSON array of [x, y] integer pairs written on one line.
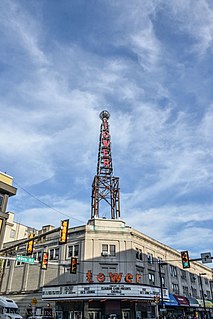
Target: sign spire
[[105, 186]]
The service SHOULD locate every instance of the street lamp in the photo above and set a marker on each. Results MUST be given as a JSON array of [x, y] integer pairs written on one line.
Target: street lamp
[[202, 293]]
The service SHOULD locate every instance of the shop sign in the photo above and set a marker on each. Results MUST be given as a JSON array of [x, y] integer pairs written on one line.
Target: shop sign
[[103, 291], [114, 277]]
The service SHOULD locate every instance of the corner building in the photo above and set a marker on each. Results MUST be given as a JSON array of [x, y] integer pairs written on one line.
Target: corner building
[[117, 276], [121, 273]]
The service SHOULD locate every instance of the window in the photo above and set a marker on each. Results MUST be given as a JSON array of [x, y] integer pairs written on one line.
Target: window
[[54, 253], [192, 277], [76, 250], [140, 271], [112, 250], [206, 281], [51, 255], [152, 278], [183, 274], [163, 281], [12, 233], [57, 253], [139, 254], [185, 290], [194, 292], [39, 255], [173, 271], [108, 250], [73, 251], [150, 258], [208, 295], [1, 201], [70, 251], [175, 288], [18, 263]]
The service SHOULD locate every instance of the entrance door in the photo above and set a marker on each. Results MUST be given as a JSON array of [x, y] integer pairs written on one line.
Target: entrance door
[[94, 314], [77, 315], [125, 314]]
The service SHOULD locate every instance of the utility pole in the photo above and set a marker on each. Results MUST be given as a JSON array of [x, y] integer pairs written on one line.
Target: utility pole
[[202, 293], [160, 264]]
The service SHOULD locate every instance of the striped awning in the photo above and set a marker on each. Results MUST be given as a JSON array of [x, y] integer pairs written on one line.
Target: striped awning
[[208, 303], [193, 302]]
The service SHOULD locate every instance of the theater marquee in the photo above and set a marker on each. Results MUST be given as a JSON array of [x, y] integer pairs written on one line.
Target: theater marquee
[[99, 291]]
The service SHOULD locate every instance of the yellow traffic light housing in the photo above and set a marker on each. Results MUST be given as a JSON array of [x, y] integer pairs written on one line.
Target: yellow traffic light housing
[[73, 267], [64, 231], [30, 245], [44, 260], [185, 259]]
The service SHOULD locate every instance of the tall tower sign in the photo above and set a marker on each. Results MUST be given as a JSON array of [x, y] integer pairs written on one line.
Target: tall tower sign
[[105, 186]]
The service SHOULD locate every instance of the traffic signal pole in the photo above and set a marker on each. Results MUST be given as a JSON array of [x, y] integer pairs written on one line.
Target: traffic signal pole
[[21, 242]]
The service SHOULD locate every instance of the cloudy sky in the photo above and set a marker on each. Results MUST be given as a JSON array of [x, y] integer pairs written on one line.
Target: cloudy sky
[[149, 63]]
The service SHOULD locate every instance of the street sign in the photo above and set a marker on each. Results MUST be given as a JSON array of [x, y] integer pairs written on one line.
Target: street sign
[[206, 258], [25, 259]]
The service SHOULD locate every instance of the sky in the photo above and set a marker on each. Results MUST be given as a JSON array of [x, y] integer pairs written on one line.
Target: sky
[[150, 64]]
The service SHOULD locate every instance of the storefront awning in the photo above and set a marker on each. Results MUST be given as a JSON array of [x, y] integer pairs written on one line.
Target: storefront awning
[[172, 301], [208, 303], [182, 301], [193, 302]]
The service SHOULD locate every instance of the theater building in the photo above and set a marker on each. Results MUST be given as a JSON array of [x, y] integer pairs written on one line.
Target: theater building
[[121, 273]]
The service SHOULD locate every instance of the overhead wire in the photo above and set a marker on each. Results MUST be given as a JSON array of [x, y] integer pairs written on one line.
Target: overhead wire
[[47, 205]]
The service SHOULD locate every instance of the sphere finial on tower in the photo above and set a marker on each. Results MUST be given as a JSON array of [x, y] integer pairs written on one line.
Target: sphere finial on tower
[[104, 115]]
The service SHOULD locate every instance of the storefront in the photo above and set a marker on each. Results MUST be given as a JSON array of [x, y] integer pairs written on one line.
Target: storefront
[[208, 308], [104, 301]]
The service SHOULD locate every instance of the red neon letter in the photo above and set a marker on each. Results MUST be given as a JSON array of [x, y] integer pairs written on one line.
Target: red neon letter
[[106, 162], [138, 277], [105, 143], [115, 277], [89, 276], [105, 124], [105, 152], [101, 277], [128, 278], [105, 134]]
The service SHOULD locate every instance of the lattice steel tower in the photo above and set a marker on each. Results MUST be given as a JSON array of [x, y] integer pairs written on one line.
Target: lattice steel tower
[[105, 186]]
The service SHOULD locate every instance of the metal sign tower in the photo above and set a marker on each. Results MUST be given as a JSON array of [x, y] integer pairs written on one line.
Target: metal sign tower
[[105, 186]]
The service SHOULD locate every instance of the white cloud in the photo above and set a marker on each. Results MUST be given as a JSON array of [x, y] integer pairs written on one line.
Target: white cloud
[[22, 29], [195, 18]]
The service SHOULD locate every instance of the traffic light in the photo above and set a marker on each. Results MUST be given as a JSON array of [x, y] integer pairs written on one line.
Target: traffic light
[[44, 260], [73, 267], [64, 231], [185, 259], [30, 245]]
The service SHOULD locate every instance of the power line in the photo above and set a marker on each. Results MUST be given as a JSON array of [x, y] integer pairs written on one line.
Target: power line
[[45, 204]]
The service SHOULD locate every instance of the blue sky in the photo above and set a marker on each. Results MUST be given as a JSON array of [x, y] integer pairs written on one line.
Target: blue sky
[[150, 64]]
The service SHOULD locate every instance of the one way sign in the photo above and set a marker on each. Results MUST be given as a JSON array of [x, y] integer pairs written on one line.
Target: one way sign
[[206, 258]]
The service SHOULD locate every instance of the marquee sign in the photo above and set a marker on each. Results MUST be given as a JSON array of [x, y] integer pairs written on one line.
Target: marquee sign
[[99, 291]]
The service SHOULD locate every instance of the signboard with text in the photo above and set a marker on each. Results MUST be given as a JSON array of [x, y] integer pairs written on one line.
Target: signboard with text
[[25, 259], [102, 291]]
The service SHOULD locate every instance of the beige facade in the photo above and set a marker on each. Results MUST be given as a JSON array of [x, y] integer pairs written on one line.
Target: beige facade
[[6, 191], [14, 230], [104, 248]]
